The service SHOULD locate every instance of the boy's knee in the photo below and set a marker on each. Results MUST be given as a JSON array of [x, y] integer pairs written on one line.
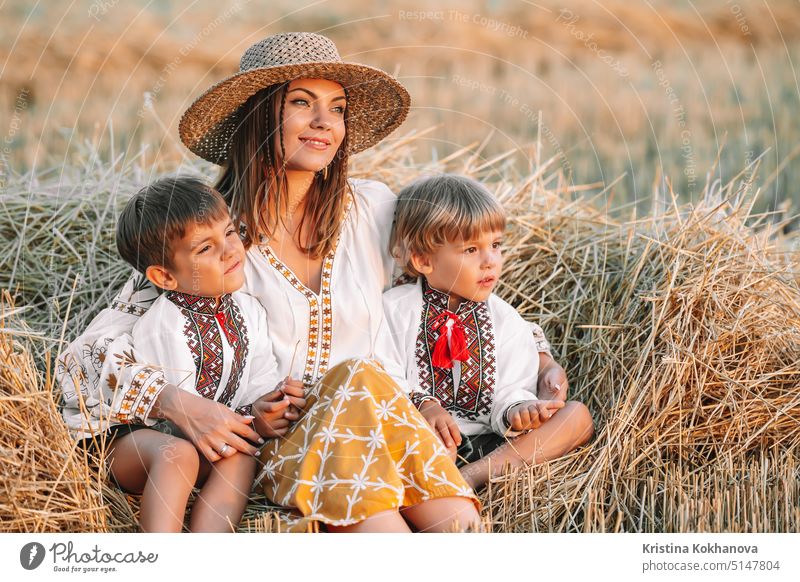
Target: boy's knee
[[179, 453], [239, 463]]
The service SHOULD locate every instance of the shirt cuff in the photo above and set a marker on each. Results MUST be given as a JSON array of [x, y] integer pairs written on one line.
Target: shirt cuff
[[245, 410], [417, 398], [507, 423], [137, 404]]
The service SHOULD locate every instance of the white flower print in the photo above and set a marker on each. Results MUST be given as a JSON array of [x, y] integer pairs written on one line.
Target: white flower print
[[384, 410]]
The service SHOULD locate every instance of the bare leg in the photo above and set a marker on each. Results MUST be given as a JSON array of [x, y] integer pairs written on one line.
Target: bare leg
[[163, 469], [223, 496], [569, 428], [442, 514], [389, 521]]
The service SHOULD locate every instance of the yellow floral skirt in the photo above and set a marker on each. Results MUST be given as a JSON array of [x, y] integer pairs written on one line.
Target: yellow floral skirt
[[360, 448]]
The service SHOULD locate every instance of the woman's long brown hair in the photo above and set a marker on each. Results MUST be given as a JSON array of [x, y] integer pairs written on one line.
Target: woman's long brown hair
[[253, 180]]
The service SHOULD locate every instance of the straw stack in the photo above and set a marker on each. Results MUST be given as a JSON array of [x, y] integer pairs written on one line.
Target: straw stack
[[679, 330], [46, 484], [682, 334]]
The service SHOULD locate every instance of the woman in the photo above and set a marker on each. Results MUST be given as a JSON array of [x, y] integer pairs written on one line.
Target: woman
[[352, 453]]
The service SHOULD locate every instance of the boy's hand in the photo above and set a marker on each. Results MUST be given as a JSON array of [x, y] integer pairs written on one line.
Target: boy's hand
[[269, 412], [296, 393], [532, 413], [442, 424], [552, 383]]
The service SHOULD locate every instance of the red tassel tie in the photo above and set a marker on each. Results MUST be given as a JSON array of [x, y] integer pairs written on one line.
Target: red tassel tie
[[451, 344]]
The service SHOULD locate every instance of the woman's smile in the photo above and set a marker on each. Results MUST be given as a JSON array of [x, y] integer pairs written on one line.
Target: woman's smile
[[316, 143]]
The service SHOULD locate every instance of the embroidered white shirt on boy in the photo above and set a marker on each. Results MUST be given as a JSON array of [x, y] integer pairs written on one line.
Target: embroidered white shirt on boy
[[502, 362], [221, 353], [102, 369]]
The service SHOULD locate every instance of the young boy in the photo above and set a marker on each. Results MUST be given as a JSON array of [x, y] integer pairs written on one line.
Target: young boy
[[207, 338], [469, 362]]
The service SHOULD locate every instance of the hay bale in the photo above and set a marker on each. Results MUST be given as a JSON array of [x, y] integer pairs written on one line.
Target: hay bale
[[46, 483], [682, 335]]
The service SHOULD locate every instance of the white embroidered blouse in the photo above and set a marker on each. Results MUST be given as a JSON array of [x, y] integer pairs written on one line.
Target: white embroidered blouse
[[343, 320], [502, 362]]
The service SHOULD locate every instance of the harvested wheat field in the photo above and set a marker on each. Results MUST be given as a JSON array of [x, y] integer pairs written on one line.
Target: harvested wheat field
[[680, 330]]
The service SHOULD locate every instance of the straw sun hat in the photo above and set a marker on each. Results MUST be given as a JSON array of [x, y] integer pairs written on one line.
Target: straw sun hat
[[377, 104]]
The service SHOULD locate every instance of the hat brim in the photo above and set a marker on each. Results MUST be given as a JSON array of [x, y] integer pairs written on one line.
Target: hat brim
[[377, 104]]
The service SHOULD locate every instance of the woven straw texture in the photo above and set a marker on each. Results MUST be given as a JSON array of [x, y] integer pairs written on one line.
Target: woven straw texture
[[377, 104]]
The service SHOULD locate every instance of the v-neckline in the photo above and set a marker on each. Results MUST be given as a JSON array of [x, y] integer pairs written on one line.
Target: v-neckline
[[300, 286], [325, 270]]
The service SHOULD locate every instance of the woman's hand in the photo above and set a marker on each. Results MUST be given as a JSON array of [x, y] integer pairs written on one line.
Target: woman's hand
[[208, 424], [532, 413], [295, 391], [443, 424], [552, 383]]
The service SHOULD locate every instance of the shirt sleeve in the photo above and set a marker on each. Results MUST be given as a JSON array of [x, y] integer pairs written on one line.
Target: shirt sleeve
[[263, 375], [162, 344], [390, 353], [542, 345], [392, 350], [380, 203], [101, 376], [517, 367]]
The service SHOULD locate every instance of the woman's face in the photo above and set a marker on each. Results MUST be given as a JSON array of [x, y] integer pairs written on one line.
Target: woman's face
[[313, 124]]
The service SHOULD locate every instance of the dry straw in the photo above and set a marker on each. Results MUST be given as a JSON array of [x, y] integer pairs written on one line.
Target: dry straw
[[46, 484], [679, 330]]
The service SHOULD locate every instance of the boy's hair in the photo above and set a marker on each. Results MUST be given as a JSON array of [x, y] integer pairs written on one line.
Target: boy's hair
[[159, 214], [434, 211]]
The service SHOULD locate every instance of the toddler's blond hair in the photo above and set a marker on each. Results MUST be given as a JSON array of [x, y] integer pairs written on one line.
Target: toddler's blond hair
[[434, 211]]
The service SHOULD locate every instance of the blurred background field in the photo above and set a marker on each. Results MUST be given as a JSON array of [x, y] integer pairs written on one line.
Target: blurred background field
[[644, 89], [646, 150]]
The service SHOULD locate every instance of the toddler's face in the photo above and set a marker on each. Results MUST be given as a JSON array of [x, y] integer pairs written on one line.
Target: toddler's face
[[209, 259], [467, 269]]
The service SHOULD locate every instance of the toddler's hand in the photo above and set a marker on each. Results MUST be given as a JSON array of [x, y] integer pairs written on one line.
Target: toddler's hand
[[552, 383], [443, 424], [532, 413]]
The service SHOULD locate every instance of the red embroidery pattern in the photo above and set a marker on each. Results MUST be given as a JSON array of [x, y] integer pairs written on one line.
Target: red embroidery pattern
[[205, 341], [236, 332], [478, 372]]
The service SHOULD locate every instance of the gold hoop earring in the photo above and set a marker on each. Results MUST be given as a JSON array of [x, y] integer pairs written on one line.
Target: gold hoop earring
[[325, 173]]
